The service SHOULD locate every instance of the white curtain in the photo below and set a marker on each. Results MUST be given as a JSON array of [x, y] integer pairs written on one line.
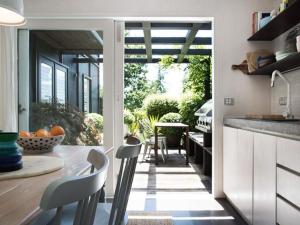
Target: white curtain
[[8, 79]]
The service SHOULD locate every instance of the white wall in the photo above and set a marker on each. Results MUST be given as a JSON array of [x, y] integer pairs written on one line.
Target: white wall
[[232, 19]]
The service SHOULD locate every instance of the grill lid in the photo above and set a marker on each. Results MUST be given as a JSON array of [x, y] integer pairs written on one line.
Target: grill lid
[[205, 110]]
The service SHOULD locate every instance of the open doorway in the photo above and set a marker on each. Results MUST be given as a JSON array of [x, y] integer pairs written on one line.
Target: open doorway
[[168, 76]]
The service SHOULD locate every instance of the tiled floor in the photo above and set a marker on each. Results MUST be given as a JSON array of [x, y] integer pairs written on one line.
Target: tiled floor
[[181, 191]]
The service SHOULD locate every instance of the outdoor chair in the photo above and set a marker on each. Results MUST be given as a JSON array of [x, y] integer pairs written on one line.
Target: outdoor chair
[[162, 144]]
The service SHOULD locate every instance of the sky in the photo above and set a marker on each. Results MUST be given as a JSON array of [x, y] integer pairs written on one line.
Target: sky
[[173, 78]]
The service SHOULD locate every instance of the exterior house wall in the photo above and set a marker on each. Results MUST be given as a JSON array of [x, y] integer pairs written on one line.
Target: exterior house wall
[[232, 26], [74, 78]]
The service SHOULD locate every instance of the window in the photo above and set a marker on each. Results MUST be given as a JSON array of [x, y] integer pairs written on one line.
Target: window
[[60, 84], [86, 93], [46, 82], [52, 81]]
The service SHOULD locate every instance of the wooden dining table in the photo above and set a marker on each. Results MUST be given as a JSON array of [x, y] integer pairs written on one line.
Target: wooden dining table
[[20, 198], [180, 126]]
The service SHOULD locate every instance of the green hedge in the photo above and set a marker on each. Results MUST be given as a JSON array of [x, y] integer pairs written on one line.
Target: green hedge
[[171, 118], [189, 104], [159, 105], [128, 117]]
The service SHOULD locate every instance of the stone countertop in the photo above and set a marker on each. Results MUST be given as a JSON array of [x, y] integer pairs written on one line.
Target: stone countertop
[[286, 129]]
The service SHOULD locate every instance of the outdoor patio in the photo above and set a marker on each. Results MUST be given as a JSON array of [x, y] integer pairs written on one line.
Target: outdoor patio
[[179, 191]]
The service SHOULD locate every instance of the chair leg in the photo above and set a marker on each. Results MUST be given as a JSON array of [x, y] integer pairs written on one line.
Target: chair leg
[[166, 148], [145, 149], [162, 151]]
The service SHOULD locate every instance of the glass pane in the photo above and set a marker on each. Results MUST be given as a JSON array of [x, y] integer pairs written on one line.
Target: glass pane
[[86, 93], [61, 86], [46, 83]]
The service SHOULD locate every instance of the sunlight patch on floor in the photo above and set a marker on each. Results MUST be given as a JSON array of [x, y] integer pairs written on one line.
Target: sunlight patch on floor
[[137, 201], [191, 201], [173, 201], [174, 170], [202, 218], [176, 181]]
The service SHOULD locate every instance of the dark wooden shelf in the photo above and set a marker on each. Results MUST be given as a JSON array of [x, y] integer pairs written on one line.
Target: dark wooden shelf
[[280, 24], [288, 63]]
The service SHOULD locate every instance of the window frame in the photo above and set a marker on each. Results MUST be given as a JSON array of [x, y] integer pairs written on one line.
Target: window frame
[[54, 64], [84, 78]]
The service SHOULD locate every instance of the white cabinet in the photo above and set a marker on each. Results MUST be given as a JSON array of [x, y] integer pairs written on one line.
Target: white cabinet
[[264, 178], [238, 169], [230, 163], [245, 173]]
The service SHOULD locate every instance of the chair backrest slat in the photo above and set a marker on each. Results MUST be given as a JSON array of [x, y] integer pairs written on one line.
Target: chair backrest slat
[[84, 189], [128, 154]]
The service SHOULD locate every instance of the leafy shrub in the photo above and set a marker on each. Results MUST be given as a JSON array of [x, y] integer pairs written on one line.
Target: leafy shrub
[[159, 105], [189, 104], [171, 118], [147, 126], [44, 115], [92, 134], [128, 117], [139, 114]]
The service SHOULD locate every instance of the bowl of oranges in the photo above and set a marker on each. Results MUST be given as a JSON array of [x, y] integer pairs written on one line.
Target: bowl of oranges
[[42, 140]]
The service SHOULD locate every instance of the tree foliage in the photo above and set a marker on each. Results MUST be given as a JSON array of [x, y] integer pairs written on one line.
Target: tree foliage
[[188, 105], [199, 76], [136, 85]]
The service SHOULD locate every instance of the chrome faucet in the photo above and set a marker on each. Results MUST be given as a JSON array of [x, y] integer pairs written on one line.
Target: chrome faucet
[[288, 114]]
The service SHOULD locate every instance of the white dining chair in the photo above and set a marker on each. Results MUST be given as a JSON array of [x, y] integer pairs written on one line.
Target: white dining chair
[[103, 213], [74, 200]]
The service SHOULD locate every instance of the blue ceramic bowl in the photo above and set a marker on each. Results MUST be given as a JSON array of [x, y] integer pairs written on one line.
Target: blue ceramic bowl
[[10, 160], [10, 155], [11, 167]]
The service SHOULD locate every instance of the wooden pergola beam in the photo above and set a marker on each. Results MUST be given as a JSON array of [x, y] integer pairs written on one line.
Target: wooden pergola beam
[[190, 37], [82, 51], [97, 37], [168, 26], [147, 37], [137, 51], [168, 40], [127, 60]]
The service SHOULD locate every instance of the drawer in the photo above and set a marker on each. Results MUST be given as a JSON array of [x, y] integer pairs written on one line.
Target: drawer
[[288, 153], [287, 214], [288, 186]]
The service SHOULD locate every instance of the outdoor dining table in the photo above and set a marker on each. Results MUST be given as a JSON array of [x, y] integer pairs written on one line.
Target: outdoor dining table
[[180, 126], [20, 198]]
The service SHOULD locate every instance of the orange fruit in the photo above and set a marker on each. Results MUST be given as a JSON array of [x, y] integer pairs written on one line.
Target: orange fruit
[[57, 130], [24, 134], [41, 133]]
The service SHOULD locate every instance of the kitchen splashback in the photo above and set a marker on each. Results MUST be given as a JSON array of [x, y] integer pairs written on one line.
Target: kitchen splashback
[[279, 90]]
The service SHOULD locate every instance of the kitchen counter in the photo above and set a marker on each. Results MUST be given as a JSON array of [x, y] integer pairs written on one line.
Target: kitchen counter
[[286, 129]]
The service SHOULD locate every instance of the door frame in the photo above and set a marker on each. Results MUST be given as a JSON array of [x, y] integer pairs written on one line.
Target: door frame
[[111, 101]]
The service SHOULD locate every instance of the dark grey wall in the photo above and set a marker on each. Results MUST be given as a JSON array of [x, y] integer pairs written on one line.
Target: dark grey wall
[[75, 74]]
